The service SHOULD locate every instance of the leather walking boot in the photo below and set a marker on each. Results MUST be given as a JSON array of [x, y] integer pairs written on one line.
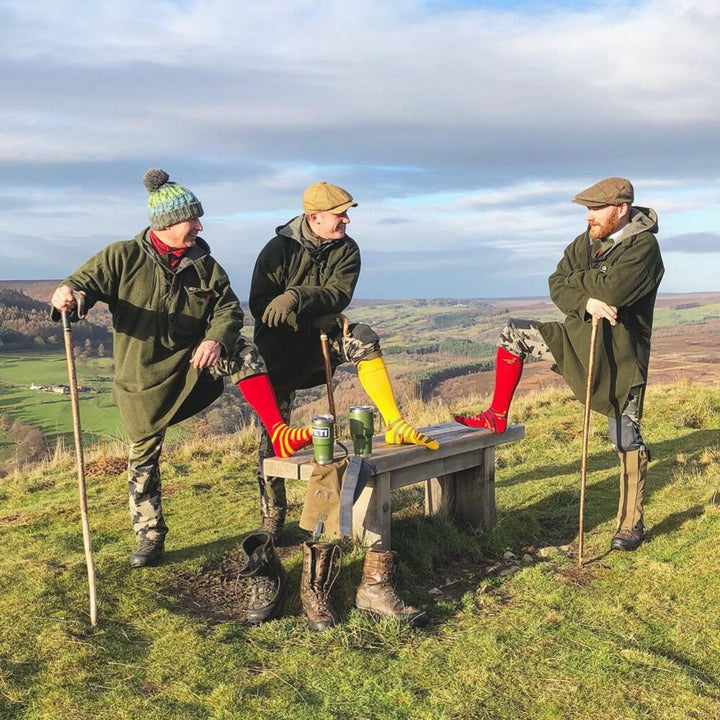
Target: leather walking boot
[[321, 566], [630, 531], [147, 552], [377, 593], [273, 506], [267, 578], [273, 522]]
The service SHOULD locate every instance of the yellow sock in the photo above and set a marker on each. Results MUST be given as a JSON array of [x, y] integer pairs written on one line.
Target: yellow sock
[[399, 432], [375, 380]]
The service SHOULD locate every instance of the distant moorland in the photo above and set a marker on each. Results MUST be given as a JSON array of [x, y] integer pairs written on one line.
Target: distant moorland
[[437, 349]]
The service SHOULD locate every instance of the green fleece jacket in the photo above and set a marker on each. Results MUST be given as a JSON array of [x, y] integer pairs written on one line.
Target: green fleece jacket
[[159, 317], [626, 276], [323, 276]]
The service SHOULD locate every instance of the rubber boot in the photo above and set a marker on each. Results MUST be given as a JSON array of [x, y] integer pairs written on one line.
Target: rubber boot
[[508, 371], [630, 527], [267, 578], [377, 593], [321, 566]]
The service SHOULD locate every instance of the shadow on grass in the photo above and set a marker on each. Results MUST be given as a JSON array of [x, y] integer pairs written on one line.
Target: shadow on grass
[[555, 517]]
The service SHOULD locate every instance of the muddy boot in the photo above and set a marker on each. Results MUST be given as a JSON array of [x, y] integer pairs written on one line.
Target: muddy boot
[[377, 593], [267, 578], [321, 566], [630, 527], [273, 520], [273, 506], [147, 552]]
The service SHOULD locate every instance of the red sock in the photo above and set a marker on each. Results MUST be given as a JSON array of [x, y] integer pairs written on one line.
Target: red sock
[[258, 391], [508, 370]]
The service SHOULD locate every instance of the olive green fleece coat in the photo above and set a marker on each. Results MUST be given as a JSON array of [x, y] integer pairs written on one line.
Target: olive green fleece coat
[[159, 317], [323, 276], [627, 276]]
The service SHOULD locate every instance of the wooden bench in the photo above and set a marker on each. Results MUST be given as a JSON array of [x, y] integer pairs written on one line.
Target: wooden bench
[[459, 478]]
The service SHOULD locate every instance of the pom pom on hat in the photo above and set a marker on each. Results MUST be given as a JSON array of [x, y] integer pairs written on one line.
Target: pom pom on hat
[[154, 179], [169, 202]]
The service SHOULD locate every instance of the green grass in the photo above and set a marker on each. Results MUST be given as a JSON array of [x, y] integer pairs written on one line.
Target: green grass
[[627, 636]]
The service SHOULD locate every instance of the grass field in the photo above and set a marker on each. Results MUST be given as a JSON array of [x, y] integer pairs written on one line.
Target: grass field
[[516, 629], [49, 411]]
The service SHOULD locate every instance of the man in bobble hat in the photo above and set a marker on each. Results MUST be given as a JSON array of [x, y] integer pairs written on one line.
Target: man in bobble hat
[[611, 272], [303, 278], [177, 329]]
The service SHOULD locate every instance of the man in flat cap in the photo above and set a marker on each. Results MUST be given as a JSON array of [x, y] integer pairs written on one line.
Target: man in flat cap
[[303, 278], [176, 325], [611, 272]]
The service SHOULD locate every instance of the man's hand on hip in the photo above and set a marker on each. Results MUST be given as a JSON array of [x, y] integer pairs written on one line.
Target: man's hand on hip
[[206, 354], [601, 310]]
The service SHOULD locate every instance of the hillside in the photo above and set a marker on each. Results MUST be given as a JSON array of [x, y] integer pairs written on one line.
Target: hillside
[[516, 630], [439, 350]]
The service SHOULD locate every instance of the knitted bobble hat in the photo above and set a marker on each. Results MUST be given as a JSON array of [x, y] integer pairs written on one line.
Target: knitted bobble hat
[[169, 202]]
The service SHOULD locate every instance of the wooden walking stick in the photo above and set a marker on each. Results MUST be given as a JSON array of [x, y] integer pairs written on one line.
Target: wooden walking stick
[[80, 462], [328, 372], [328, 367], [586, 433]]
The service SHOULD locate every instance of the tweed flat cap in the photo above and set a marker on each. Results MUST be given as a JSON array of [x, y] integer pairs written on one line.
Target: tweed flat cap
[[324, 197], [611, 191]]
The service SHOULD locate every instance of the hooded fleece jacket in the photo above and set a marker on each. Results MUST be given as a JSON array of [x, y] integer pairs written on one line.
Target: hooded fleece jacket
[[626, 276], [159, 317]]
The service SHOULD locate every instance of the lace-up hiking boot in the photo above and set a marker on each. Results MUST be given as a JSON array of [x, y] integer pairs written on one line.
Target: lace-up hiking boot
[[273, 522], [377, 593], [147, 552], [321, 566], [628, 540], [267, 578]]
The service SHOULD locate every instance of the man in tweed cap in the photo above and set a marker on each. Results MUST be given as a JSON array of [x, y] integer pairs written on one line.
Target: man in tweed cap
[[177, 328], [611, 272]]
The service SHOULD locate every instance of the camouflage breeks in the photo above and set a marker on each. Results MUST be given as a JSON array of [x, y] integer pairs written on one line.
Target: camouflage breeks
[[243, 362], [523, 338], [272, 489], [145, 499], [361, 344]]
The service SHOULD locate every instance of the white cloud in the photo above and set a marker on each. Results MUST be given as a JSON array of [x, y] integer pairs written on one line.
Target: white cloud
[[467, 126]]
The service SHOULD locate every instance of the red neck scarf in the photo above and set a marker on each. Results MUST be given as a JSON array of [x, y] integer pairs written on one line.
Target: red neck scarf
[[174, 255]]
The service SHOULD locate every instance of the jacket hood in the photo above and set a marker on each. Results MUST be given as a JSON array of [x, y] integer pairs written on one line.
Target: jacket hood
[[641, 220]]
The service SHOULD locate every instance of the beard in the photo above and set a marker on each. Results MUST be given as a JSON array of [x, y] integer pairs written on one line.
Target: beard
[[603, 229]]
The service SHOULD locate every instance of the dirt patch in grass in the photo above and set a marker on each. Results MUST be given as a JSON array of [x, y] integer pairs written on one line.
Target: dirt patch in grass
[[216, 593], [106, 466]]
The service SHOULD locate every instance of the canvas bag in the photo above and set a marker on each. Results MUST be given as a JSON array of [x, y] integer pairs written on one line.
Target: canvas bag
[[331, 493]]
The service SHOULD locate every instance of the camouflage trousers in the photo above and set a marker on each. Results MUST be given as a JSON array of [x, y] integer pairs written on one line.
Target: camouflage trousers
[[243, 362], [361, 343], [145, 487], [523, 338], [145, 498]]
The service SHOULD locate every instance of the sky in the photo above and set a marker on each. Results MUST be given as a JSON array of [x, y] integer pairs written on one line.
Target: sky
[[463, 129]]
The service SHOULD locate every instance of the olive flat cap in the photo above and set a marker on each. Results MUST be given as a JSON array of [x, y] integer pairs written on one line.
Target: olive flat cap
[[611, 191], [324, 197]]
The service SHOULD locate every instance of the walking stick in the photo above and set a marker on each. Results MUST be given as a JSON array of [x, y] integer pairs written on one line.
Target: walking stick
[[328, 372], [328, 367], [586, 432], [80, 462]]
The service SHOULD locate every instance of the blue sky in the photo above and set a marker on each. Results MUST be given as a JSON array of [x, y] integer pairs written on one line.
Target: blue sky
[[463, 129]]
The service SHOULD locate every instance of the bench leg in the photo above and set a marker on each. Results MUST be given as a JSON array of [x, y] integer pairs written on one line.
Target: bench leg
[[467, 496], [371, 514]]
